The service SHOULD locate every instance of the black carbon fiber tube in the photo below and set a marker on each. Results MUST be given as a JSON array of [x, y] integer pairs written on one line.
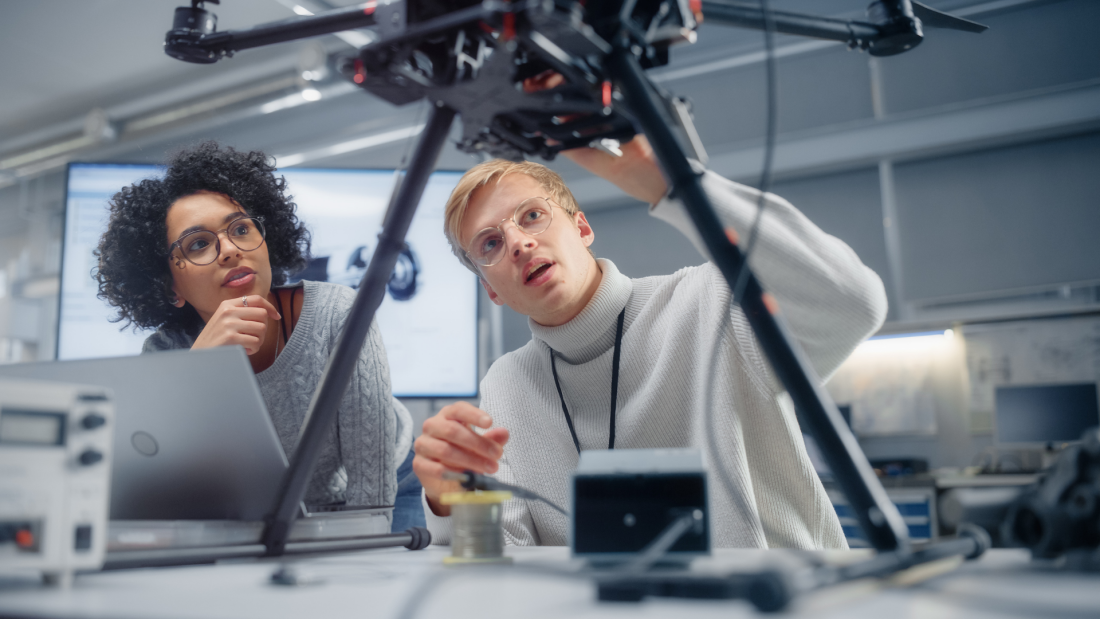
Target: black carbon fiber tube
[[749, 16], [341, 364]]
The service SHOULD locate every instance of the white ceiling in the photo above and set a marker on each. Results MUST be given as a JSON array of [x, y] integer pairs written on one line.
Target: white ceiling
[[62, 58]]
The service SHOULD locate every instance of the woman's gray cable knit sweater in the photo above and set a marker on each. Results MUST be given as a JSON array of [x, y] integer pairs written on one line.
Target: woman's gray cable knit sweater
[[358, 463], [830, 302]]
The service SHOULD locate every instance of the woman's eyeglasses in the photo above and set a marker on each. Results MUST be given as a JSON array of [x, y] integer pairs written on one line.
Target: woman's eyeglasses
[[202, 247]]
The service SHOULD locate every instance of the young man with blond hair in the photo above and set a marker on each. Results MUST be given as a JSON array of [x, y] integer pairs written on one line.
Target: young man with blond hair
[[518, 227]]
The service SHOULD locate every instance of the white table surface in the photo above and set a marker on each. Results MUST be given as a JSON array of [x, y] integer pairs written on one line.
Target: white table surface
[[381, 583]]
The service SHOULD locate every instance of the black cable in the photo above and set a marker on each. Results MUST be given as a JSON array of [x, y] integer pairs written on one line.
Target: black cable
[[564, 408], [708, 416], [742, 276], [771, 123], [528, 494], [476, 481]]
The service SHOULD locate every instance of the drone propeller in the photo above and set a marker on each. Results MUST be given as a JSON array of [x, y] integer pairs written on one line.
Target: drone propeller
[[892, 27], [938, 19]]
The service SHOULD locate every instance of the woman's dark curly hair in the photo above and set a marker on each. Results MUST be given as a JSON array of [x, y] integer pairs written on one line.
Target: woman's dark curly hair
[[133, 271]]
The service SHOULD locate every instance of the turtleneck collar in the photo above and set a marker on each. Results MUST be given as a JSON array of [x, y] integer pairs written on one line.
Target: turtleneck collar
[[592, 331]]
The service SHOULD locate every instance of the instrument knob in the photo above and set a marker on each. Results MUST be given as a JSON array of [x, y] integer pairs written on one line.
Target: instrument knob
[[90, 457], [92, 421]]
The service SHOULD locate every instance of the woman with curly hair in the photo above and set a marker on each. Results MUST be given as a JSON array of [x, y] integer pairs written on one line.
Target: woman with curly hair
[[202, 255]]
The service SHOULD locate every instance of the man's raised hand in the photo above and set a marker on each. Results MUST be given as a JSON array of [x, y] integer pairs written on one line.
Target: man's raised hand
[[636, 172]]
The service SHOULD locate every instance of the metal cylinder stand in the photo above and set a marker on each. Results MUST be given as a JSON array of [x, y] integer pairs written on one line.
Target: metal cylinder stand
[[477, 535]]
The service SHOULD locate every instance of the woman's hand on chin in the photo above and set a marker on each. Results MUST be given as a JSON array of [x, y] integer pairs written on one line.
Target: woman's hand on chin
[[235, 323]]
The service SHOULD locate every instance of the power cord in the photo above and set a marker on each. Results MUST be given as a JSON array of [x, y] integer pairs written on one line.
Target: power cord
[[771, 123], [743, 273], [475, 481]]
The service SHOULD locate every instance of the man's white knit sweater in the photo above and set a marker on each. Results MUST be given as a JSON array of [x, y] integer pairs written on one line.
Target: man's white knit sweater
[[677, 326]]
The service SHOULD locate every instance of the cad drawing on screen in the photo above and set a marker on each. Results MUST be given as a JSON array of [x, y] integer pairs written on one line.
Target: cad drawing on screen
[[346, 266]]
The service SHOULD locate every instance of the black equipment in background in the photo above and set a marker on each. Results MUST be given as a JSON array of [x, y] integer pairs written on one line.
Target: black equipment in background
[[485, 60], [1061, 513]]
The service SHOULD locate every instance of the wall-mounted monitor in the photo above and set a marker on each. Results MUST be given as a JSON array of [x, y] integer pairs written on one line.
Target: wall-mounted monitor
[[428, 318], [1045, 413]]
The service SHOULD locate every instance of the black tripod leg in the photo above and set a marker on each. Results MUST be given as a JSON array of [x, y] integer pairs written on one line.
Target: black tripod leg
[[877, 515], [341, 364]]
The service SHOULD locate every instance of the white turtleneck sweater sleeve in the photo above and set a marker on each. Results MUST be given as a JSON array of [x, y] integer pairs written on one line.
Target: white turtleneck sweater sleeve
[[830, 300], [686, 351]]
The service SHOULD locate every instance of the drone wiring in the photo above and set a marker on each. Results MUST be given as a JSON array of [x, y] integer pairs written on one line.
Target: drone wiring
[[743, 274], [771, 127]]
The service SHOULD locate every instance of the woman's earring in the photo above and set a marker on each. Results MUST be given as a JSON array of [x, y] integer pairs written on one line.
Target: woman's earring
[[175, 301]]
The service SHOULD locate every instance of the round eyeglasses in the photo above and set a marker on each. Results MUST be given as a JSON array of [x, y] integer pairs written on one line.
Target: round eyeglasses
[[202, 247], [532, 216]]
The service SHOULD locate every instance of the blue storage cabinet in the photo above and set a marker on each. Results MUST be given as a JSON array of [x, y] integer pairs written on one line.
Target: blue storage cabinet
[[917, 507]]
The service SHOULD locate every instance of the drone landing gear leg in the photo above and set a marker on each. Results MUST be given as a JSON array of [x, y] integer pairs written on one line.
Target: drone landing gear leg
[[342, 362], [878, 517]]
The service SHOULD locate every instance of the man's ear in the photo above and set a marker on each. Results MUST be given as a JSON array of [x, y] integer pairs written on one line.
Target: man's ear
[[492, 293], [588, 235]]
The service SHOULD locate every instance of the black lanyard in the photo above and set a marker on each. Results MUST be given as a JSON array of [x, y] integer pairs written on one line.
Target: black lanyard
[[614, 387]]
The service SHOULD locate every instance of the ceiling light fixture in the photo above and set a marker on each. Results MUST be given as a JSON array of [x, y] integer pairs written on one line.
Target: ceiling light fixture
[[350, 146]]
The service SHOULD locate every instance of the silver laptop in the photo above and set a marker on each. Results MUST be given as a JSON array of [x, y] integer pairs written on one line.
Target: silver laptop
[[197, 462], [193, 440]]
